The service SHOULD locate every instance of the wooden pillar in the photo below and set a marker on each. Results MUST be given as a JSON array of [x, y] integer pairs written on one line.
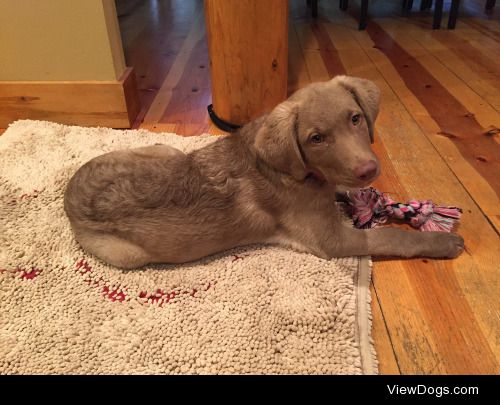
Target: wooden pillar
[[248, 46]]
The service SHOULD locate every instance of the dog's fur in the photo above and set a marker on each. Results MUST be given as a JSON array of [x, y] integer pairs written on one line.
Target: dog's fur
[[270, 182]]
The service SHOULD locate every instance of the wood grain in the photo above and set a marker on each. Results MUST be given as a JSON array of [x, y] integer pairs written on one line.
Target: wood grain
[[191, 95], [88, 103], [153, 38], [460, 135], [447, 111], [248, 61], [165, 92], [298, 74], [381, 340]]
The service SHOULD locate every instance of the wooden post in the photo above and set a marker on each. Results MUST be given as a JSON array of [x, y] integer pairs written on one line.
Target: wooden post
[[248, 46]]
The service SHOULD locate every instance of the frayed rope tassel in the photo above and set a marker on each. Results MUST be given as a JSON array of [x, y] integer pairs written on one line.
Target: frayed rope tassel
[[370, 207]]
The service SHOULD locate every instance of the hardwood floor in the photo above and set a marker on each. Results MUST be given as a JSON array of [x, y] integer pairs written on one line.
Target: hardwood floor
[[437, 137], [167, 47]]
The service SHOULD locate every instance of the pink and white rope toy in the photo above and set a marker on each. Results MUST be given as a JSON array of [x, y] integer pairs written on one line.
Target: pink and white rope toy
[[370, 207]]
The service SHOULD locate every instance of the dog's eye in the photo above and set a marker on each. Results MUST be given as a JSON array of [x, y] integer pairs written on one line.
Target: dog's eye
[[356, 119], [317, 138]]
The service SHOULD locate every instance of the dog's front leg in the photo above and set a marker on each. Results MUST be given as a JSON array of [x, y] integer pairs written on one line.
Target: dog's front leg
[[396, 242]]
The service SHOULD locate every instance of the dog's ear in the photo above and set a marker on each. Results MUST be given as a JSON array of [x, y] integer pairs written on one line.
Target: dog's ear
[[276, 141], [367, 95]]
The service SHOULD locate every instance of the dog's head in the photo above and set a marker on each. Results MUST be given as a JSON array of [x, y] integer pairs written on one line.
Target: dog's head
[[324, 130]]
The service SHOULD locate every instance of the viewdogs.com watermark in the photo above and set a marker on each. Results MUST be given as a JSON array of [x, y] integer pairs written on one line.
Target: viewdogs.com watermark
[[435, 391]]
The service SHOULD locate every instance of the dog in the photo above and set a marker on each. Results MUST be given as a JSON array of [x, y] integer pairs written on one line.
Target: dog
[[272, 182]]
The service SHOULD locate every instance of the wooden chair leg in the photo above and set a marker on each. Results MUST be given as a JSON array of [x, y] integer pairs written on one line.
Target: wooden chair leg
[[489, 6], [452, 20], [425, 4], [438, 15], [407, 4], [314, 8], [363, 15]]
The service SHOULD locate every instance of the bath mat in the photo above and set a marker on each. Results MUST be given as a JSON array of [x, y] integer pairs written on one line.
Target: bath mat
[[252, 310]]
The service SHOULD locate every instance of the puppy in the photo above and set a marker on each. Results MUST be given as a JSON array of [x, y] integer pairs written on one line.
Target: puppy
[[273, 181]]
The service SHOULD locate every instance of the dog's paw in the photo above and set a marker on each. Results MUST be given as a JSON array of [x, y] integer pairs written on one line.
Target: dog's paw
[[446, 245]]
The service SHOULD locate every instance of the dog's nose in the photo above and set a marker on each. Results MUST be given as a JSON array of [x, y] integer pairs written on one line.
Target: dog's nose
[[366, 170]]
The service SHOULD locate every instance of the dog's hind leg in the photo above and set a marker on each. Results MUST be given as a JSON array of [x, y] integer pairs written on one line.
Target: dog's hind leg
[[114, 250]]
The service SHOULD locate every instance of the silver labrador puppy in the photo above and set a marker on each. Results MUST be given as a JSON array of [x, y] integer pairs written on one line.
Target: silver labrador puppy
[[273, 181]]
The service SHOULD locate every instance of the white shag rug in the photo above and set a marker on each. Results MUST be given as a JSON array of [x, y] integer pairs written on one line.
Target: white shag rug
[[252, 310]]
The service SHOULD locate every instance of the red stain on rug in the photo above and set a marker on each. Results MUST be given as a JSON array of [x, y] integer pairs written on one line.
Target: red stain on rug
[[24, 274], [120, 293], [33, 194]]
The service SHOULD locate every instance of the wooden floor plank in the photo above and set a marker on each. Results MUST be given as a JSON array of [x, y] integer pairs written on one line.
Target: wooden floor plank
[[315, 41], [444, 96], [381, 340], [298, 74], [470, 66], [192, 94], [164, 95], [311, 54], [487, 27], [152, 39], [184, 129]]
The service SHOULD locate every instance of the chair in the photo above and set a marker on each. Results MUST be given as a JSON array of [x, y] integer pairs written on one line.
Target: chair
[[363, 15], [489, 6], [343, 6], [452, 21], [407, 6], [438, 11], [438, 14], [314, 7]]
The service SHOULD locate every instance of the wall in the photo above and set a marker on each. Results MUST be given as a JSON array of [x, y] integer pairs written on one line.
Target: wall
[[59, 40]]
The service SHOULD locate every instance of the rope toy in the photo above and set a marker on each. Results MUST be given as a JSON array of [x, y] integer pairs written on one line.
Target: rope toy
[[370, 207]]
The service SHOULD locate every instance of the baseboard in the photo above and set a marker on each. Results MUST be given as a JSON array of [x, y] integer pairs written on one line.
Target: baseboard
[[112, 104]]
